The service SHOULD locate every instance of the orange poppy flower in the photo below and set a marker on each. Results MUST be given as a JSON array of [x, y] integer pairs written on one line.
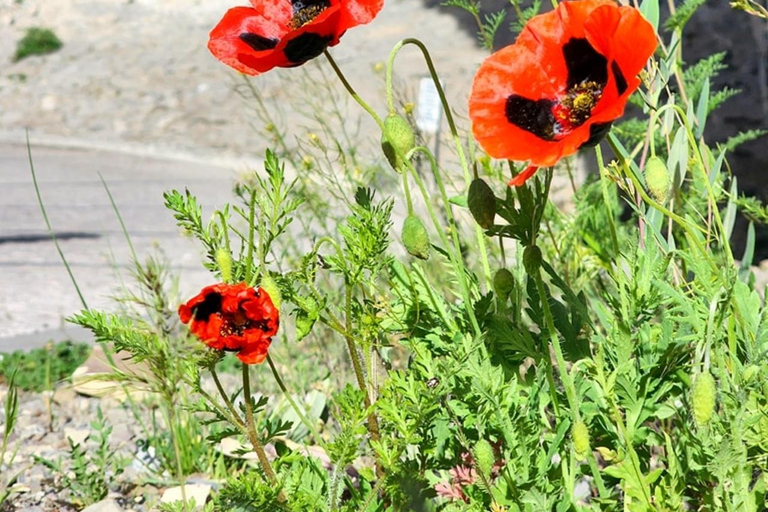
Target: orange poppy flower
[[285, 33], [233, 317], [561, 84]]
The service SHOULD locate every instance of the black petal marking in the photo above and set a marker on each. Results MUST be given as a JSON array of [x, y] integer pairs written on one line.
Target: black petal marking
[[305, 47], [210, 305], [621, 82], [300, 5], [533, 116], [596, 133], [584, 63], [257, 42]]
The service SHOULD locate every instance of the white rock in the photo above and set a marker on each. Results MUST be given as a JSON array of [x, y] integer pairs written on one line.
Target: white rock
[[104, 506], [76, 435], [48, 103], [198, 492]]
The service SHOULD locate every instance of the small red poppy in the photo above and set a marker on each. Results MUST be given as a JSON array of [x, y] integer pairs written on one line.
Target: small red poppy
[[561, 84], [233, 317], [285, 33]]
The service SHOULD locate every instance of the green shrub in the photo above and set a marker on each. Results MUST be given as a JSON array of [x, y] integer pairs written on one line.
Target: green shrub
[[37, 41]]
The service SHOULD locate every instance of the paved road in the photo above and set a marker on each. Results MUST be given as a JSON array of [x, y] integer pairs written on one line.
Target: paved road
[[35, 291]]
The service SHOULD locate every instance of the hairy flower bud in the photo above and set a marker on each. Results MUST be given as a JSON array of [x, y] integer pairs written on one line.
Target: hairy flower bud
[[503, 283], [484, 457], [415, 237], [657, 178], [397, 139], [482, 203], [270, 286], [532, 259], [703, 398], [580, 436], [224, 262]]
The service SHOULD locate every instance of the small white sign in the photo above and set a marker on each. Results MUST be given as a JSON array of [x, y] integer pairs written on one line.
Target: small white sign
[[430, 109]]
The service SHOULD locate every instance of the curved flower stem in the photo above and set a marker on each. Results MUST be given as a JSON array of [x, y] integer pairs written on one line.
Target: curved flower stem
[[251, 427], [307, 423], [480, 236], [351, 90]]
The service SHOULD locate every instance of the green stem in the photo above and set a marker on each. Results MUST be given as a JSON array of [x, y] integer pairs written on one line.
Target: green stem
[[352, 92], [251, 222], [251, 427], [227, 401], [307, 423], [456, 253], [176, 451]]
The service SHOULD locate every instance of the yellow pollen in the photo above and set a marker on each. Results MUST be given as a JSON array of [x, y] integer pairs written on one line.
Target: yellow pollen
[[583, 101], [306, 14]]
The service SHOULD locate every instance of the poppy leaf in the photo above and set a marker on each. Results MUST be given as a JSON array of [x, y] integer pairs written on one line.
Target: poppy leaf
[[702, 109], [650, 10]]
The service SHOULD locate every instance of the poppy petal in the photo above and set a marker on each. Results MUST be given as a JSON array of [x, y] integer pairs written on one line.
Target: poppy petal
[[521, 178], [245, 40], [511, 73], [360, 12]]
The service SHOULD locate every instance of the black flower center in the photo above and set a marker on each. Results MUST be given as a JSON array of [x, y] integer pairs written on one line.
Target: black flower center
[[550, 119], [305, 47], [210, 305]]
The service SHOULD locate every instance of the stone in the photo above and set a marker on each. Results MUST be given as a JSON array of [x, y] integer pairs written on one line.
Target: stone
[[198, 492], [78, 436], [107, 505]]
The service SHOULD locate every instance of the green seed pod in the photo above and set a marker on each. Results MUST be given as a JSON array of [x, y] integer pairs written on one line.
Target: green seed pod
[[224, 262], [657, 178], [532, 259], [482, 203], [703, 398], [503, 283], [580, 436], [484, 457], [397, 139], [270, 286], [415, 237]]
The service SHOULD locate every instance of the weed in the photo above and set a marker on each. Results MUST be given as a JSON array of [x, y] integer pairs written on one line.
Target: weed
[[40, 369]]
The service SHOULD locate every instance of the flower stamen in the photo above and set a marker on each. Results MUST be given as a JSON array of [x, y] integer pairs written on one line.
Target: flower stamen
[[306, 11]]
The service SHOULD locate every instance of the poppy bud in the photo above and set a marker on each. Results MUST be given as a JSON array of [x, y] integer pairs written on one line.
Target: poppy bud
[[397, 139], [532, 259], [580, 436], [657, 178], [270, 286], [482, 203], [415, 237], [703, 398], [224, 262], [503, 283], [484, 457]]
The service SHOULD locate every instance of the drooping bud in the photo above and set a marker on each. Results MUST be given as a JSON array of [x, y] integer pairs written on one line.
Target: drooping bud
[[224, 262], [484, 457], [415, 237], [703, 398], [482, 203], [657, 178], [532, 259], [503, 283], [580, 436], [397, 139], [270, 286]]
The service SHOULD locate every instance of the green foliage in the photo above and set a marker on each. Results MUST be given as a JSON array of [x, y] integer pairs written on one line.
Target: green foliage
[[682, 14], [89, 474], [36, 41], [41, 368]]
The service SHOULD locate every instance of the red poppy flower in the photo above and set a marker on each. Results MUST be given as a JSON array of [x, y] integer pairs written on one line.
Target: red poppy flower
[[561, 85], [233, 317], [285, 33]]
